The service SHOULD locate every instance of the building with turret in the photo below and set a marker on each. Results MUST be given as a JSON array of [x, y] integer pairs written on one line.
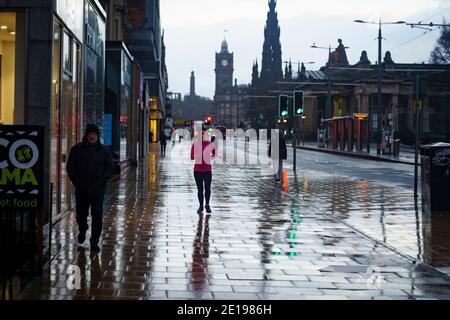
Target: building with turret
[[229, 105], [352, 90]]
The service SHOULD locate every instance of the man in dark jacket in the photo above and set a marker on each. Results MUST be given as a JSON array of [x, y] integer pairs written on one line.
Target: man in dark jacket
[[278, 158], [90, 167]]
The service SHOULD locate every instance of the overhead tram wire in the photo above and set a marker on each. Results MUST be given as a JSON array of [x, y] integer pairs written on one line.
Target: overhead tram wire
[[434, 15], [421, 25], [410, 40], [413, 39], [428, 29]]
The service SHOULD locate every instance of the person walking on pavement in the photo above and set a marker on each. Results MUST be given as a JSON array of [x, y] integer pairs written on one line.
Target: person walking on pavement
[[278, 158], [89, 167], [163, 142], [203, 152]]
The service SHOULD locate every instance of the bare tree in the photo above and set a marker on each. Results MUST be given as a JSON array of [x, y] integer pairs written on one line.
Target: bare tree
[[441, 53]]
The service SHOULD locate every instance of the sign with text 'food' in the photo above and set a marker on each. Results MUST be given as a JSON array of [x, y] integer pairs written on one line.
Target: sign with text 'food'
[[21, 167]]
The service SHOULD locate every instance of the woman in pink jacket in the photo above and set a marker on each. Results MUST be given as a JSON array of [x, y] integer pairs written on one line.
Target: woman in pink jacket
[[203, 152]]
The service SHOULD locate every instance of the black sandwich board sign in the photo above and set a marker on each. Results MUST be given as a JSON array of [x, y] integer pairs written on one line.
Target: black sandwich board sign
[[21, 167]]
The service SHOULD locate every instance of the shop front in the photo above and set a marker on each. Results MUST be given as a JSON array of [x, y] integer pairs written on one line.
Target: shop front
[[78, 64], [139, 112], [66, 97], [14, 253], [145, 133], [41, 84], [118, 108], [156, 120], [94, 64], [12, 67]]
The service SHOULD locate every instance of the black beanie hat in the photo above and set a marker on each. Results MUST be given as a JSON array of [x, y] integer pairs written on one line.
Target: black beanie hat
[[92, 128]]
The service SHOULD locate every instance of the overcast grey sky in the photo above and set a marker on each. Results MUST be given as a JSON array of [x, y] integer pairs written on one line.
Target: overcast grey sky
[[194, 30]]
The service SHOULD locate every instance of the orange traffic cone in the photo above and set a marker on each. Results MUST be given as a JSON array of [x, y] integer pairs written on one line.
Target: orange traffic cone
[[284, 180]]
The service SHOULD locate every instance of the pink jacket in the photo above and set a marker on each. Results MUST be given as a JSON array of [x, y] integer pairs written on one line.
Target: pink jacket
[[203, 155]]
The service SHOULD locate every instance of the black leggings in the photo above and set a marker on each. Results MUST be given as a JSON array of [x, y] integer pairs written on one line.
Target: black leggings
[[206, 178]]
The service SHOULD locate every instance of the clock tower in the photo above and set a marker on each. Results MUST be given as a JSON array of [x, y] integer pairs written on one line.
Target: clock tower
[[224, 70], [227, 93]]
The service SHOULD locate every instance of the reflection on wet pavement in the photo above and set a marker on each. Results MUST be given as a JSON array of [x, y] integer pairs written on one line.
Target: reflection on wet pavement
[[260, 243], [386, 212]]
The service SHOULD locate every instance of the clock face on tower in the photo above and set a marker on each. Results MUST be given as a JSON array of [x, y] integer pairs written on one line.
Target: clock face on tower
[[225, 63]]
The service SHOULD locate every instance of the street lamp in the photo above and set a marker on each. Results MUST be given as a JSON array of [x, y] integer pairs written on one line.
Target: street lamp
[[380, 38]]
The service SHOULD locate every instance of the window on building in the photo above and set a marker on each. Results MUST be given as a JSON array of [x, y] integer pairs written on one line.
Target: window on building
[[11, 69]]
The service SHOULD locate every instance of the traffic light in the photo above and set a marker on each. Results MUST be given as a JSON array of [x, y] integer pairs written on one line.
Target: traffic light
[[283, 106], [299, 106], [208, 120]]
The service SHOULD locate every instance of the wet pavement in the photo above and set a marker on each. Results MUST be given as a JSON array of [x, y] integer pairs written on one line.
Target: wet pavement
[[321, 235], [377, 199]]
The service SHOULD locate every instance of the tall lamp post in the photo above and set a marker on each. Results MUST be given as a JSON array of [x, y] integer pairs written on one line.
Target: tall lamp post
[[380, 71]]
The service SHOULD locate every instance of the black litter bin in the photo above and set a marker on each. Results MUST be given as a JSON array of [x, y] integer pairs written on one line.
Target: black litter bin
[[396, 151], [435, 160]]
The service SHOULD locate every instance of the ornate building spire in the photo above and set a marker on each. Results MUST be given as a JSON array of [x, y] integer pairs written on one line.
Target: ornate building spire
[[272, 68], [272, 5], [224, 48], [192, 91], [255, 73], [288, 71]]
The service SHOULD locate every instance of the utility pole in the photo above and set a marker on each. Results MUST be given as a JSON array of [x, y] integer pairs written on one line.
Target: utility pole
[[417, 137], [293, 122], [329, 108], [380, 43], [298, 110], [294, 141]]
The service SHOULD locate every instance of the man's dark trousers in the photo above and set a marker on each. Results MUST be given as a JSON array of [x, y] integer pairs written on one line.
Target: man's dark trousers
[[95, 202]]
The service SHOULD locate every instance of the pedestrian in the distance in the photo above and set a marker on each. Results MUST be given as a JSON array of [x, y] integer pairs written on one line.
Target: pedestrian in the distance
[[203, 152], [278, 159], [90, 167], [163, 142]]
